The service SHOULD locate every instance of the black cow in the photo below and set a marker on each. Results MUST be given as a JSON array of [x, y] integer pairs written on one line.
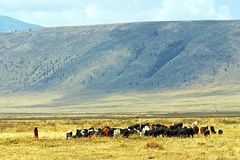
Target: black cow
[[69, 135], [206, 132], [136, 127], [182, 132], [195, 130], [220, 132], [78, 133], [151, 132], [185, 132], [169, 133], [85, 133], [99, 132], [175, 126], [125, 132], [212, 130], [158, 130], [111, 131], [190, 132], [82, 133], [92, 132]]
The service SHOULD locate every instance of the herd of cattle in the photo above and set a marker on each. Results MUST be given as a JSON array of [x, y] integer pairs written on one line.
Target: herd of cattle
[[154, 130]]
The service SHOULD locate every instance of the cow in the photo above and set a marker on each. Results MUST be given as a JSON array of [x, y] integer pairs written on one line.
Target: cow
[[195, 129], [85, 133], [212, 130], [81, 133], [150, 132], [190, 132], [136, 127], [175, 126], [158, 130], [125, 132], [184, 132], [195, 123], [206, 132], [220, 132], [169, 133], [106, 131], [111, 132], [146, 128], [69, 135], [116, 132], [92, 132], [98, 132], [78, 133], [202, 129]]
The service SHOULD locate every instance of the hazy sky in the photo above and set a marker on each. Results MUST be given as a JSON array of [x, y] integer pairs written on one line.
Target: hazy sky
[[84, 12]]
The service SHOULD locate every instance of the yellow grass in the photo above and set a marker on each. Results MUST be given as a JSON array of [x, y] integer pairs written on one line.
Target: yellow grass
[[16, 141]]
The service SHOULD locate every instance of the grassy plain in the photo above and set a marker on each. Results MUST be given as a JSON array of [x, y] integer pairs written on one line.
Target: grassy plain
[[218, 100], [16, 141]]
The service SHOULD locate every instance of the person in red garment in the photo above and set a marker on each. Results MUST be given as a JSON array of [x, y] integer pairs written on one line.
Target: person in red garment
[[36, 133]]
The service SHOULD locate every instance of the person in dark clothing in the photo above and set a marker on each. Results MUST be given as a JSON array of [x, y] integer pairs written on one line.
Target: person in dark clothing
[[36, 133]]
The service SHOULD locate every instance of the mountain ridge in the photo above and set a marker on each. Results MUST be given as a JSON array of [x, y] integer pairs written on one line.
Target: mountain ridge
[[9, 24]]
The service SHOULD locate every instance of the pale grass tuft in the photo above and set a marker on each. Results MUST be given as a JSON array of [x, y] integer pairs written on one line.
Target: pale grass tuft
[[154, 145], [201, 143]]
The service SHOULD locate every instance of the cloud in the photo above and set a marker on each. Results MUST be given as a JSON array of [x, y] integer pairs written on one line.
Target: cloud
[[86, 12], [45, 12], [191, 10], [223, 13], [91, 11]]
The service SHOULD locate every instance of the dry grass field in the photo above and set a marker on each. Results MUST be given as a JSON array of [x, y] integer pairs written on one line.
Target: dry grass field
[[220, 100], [16, 141]]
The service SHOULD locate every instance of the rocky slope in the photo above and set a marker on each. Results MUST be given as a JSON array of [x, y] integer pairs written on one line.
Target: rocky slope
[[120, 57]]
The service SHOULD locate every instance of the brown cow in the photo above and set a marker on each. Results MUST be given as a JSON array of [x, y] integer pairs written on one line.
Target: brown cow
[[202, 129], [105, 132]]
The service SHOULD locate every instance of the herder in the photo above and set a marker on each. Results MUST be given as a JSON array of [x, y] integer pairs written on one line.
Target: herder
[[36, 133]]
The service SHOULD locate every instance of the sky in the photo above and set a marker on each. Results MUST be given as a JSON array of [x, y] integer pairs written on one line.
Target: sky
[[51, 13]]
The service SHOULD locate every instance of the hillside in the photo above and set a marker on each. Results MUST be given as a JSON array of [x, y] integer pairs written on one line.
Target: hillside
[[8, 24], [94, 60]]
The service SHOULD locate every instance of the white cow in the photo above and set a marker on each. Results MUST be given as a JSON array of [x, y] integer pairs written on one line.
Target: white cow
[[116, 132], [195, 123], [146, 128]]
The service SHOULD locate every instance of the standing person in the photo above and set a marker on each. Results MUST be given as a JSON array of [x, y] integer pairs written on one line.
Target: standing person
[[36, 133]]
